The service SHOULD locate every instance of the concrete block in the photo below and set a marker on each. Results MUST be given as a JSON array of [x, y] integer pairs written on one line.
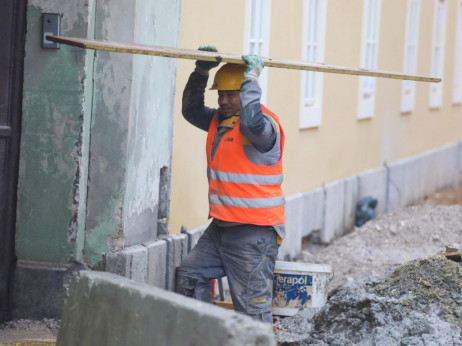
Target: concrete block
[[349, 207], [40, 289], [177, 248], [447, 163], [139, 263], [423, 174], [105, 309], [194, 236], [312, 211], [459, 163], [428, 178], [157, 263], [292, 245], [334, 211], [116, 263], [374, 183], [131, 263], [402, 183]]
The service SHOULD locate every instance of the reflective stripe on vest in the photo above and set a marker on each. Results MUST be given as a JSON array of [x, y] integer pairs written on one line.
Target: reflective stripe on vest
[[244, 178], [247, 202]]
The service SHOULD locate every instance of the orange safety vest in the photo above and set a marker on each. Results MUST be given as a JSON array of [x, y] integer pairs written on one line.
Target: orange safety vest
[[239, 190]]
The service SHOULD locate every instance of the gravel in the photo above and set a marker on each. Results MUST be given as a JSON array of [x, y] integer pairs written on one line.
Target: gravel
[[46, 324], [390, 240], [392, 285]]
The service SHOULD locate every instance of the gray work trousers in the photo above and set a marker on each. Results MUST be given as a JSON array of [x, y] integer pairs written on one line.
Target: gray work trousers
[[245, 254]]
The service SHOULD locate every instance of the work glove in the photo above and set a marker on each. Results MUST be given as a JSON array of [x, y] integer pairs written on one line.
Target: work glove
[[207, 65], [254, 65]]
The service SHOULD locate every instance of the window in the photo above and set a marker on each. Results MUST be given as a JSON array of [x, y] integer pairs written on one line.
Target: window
[[439, 36], [457, 93], [257, 35], [314, 28], [369, 49], [410, 55]]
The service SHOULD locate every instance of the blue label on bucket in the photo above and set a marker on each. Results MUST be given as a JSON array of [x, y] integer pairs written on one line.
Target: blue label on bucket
[[292, 291]]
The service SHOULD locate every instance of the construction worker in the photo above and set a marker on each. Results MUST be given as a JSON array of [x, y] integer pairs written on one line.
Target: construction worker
[[244, 166]]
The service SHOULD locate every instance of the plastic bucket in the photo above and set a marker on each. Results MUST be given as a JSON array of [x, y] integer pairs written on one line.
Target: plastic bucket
[[299, 285]]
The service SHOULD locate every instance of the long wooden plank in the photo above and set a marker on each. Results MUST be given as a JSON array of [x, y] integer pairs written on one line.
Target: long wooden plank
[[180, 53]]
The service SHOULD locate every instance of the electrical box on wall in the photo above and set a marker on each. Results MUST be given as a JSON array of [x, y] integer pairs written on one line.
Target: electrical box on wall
[[51, 25]]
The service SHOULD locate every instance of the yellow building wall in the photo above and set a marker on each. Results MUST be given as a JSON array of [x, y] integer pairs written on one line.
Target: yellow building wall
[[342, 146]]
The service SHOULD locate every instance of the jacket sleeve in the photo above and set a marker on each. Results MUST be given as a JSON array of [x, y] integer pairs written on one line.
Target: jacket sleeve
[[193, 108], [254, 125]]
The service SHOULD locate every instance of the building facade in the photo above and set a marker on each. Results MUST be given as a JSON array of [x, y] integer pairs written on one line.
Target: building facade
[[344, 134]]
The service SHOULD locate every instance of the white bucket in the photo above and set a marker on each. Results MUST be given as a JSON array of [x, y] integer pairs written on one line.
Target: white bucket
[[299, 285]]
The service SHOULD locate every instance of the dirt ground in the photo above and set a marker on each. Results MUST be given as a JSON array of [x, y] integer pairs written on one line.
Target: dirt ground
[[388, 241]]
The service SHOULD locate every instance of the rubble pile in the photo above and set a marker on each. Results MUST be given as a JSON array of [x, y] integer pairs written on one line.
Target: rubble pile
[[392, 284], [419, 303]]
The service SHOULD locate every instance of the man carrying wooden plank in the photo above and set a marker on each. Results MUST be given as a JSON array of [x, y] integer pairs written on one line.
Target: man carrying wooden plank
[[244, 165]]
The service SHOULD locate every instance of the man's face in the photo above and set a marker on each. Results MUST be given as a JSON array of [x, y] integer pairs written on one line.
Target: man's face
[[229, 102]]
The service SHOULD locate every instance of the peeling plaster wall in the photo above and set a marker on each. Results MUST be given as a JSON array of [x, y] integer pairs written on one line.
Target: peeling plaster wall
[[53, 139], [132, 128], [96, 134], [110, 114], [151, 123]]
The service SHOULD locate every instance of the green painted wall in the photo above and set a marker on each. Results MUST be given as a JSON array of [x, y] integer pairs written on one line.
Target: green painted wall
[[52, 138]]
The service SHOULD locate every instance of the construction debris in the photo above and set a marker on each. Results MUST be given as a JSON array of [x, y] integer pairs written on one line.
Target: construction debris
[[396, 282], [419, 303]]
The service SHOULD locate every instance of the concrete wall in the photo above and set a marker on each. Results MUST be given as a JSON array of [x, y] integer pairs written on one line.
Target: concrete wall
[[95, 145], [104, 309]]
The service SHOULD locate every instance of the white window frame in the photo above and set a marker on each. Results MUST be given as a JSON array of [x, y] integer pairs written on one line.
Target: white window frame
[[410, 55], [257, 36], [313, 47], [457, 88], [438, 47], [369, 57]]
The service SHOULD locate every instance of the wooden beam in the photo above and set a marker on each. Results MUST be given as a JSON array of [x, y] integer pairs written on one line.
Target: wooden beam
[[180, 53]]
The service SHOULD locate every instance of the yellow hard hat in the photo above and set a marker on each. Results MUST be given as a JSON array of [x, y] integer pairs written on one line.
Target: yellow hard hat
[[229, 77]]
